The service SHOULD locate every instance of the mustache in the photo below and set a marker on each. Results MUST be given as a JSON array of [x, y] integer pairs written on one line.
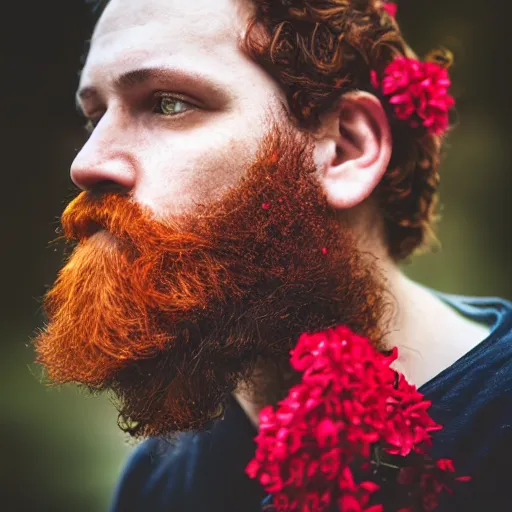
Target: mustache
[[91, 212], [127, 221]]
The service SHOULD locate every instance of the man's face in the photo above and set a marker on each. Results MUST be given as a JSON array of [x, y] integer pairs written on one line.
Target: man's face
[[180, 109], [216, 249]]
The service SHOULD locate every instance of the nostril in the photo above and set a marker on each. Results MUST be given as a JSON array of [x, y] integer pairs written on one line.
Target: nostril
[[108, 187]]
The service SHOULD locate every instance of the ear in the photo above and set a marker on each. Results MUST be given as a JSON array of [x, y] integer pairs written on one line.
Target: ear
[[353, 149]]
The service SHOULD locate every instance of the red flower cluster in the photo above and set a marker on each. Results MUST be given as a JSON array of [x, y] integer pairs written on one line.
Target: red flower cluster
[[418, 91], [324, 432]]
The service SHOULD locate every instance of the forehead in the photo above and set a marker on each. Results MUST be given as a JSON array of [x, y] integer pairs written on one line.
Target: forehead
[[132, 33]]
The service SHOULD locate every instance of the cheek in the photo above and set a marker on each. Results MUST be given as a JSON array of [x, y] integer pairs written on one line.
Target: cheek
[[197, 168]]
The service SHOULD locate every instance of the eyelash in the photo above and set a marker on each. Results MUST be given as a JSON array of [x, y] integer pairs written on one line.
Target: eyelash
[[166, 96], [159, 97]]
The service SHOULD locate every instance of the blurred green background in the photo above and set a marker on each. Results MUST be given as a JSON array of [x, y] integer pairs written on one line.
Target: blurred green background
[[61, 450]]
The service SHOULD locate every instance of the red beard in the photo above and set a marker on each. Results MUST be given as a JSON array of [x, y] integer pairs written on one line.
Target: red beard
[[172, 316]]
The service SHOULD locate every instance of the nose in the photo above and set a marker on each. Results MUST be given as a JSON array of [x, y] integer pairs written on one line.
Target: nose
[[105, 158]]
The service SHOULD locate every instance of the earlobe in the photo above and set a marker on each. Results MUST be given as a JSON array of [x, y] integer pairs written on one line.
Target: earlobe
[[355, 150]]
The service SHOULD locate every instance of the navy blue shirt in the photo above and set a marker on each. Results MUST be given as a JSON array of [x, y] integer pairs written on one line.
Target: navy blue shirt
[[472, 399]]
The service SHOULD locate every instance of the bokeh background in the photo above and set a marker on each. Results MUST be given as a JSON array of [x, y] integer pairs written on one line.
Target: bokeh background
[[61, 450]]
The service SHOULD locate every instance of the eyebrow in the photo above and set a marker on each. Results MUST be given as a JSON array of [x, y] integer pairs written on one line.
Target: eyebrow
[[137, 77]]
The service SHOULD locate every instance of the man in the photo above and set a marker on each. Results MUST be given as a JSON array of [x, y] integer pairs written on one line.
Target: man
[[245, 181]]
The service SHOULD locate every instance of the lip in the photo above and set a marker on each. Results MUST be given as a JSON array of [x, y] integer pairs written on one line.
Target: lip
[[102, 236]]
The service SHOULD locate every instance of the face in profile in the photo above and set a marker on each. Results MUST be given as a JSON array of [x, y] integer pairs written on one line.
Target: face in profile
[[203, 241]]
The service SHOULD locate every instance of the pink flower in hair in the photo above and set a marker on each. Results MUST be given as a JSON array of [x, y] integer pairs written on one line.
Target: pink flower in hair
[[418, 92], [391, 8]]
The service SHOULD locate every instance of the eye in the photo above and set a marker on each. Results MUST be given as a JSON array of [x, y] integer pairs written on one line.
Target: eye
[[168, 105], [165, 105]]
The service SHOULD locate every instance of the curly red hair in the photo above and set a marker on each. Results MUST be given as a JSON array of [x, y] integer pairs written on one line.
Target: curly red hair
[[319, 50]]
